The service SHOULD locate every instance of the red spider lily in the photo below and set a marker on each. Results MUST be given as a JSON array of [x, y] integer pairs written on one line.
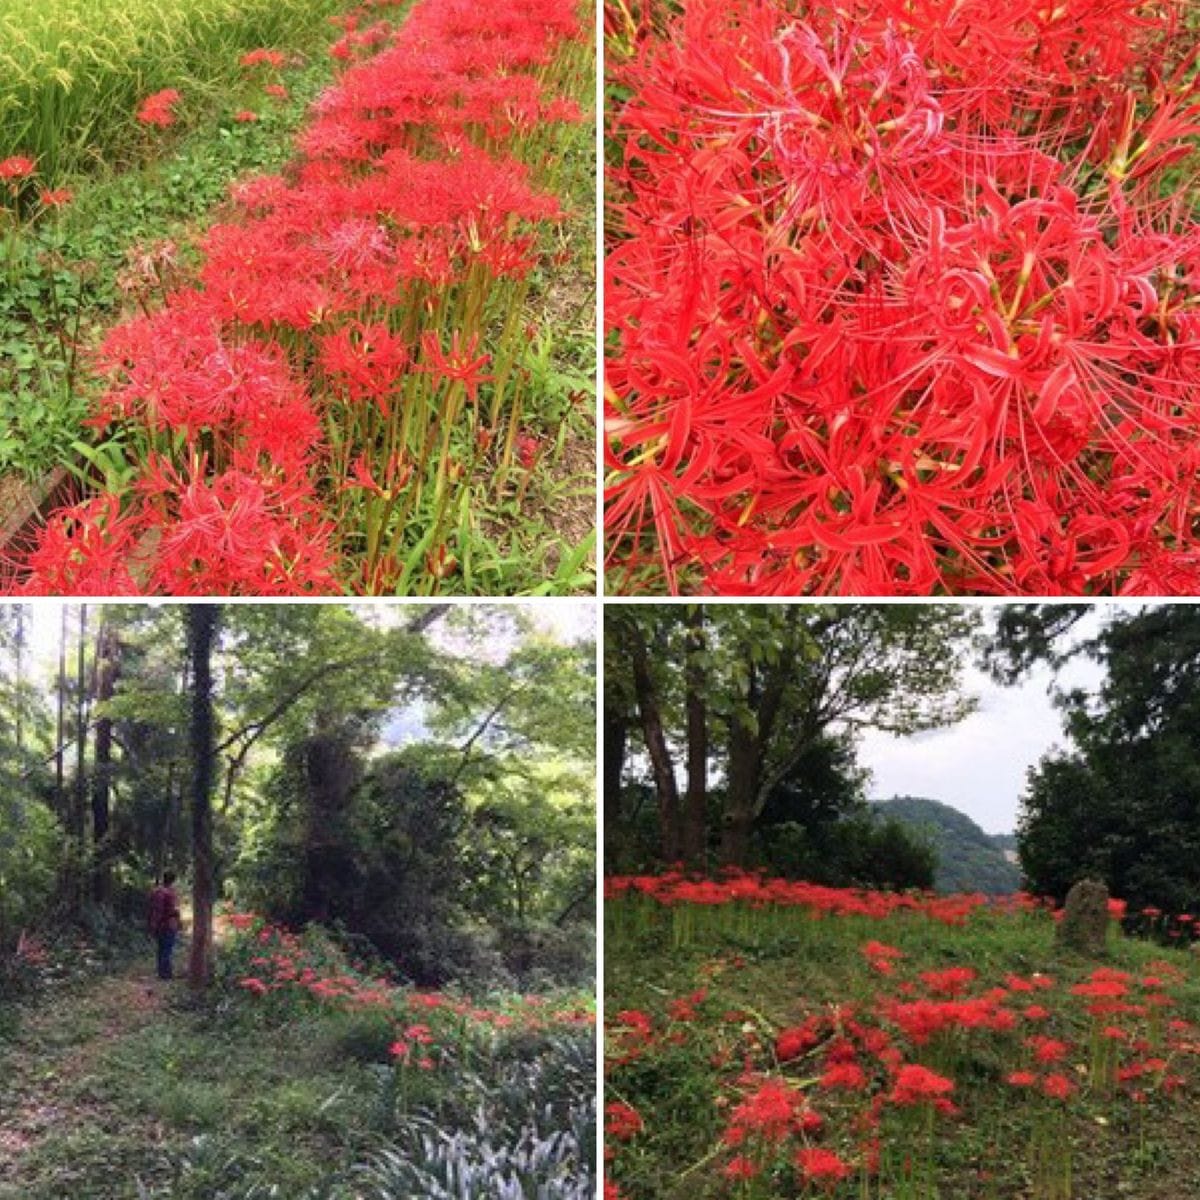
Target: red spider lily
[[1047, 1050], [769, 1113], [367, 361], [159, 109], [740, 1167], [622, 1121], [951, 982], [919, 1085], [16, 167], [899, 305], [1058, 1087], [85, 549], [284, 414], [849, 1051], [263, 57], [821, 1165], [848, 1077], [461, 365]]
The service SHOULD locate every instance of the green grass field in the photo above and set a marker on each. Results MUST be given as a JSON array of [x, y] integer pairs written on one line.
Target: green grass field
[[717, 1001]]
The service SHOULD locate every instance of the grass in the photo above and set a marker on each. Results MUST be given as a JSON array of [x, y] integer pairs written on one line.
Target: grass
[[120, 1090], [115, 1086], [541, 540], [62, 273], [75, 71], [763, 975]]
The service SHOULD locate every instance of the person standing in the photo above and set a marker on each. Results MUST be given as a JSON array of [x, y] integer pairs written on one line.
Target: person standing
[[165, 922]]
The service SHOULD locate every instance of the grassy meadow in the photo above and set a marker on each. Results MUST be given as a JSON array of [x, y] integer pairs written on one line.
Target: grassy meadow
[[763, 1052]]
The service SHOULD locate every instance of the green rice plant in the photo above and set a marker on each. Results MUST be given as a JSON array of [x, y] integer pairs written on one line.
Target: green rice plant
[[73, 72]]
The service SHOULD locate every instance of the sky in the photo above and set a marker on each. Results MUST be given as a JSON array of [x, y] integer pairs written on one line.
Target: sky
[[979, 766], [564, 620]]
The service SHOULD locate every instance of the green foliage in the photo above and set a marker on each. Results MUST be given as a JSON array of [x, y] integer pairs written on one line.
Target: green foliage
[[362, 1037], [522, 1128], [1123, 805], [77, 70], [785, 688], [856, 850], [968, 860], [62, 272]]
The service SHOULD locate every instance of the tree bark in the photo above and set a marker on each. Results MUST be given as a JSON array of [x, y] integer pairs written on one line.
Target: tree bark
[[78, 802], [656, 746], [695, 804], [616, 749], [743, 774], [106, 672], [60, 790], [750, 733], [20, 638], [202, 623]]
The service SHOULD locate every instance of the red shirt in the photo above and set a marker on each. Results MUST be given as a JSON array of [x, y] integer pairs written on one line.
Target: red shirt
[[164, 911]]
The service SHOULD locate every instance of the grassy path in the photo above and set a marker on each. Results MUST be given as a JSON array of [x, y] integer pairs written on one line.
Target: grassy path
[[50, 1095], [123, 1087]]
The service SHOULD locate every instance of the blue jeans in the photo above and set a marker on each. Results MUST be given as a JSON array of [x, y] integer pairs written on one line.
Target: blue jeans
[[166, 948]]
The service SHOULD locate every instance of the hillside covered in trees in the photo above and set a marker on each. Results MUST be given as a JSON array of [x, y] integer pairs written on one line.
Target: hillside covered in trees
[[968, 859], [382, 821]]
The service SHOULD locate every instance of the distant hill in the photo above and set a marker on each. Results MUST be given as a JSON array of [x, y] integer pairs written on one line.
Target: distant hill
[[969, 860]]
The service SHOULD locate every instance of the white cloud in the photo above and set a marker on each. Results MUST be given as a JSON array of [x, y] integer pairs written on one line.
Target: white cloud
[[979, 766]]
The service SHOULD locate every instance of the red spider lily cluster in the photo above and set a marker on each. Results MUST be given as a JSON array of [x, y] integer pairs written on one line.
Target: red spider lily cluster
[[315, 396], [850, 1098], [16, 172], [903, 297], [745, 887], [283, 967], [159, 109]]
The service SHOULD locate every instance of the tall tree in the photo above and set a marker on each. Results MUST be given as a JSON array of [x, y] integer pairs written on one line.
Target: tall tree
[[777, 679], [202, 623], [105, 672], [654, 737], [60, 789], [695, 803], [1122, 803], [79, 792]]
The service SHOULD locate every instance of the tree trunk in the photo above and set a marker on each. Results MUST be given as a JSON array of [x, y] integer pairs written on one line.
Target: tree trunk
[[750, 733], [202, 622], [656, 747], [616, 748], [106, 672], [60, 789], [328, 863], [78, 802], [744, 750], [19, 647], [695, 804]]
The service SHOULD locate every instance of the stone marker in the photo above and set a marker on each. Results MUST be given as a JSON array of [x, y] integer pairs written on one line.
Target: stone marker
[[1084, 924]]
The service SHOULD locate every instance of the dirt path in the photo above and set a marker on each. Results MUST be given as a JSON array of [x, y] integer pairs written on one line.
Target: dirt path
[[56, 1046]]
